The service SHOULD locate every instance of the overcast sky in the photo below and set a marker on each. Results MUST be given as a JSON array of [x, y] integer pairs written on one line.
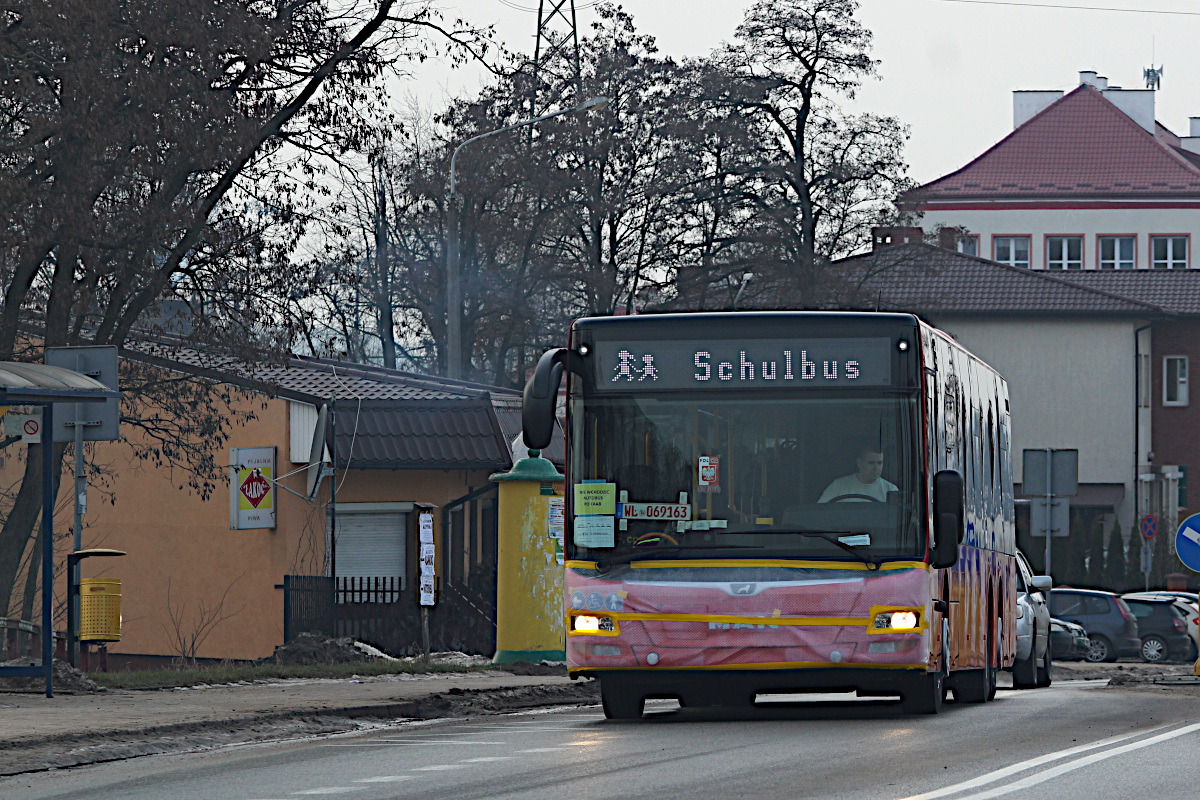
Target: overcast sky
[[948, 67]]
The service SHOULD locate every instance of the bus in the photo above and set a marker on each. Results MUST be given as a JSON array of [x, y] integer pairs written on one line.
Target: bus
[[781, 502]]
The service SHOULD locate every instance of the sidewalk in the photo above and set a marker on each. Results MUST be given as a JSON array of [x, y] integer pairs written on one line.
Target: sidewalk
[[68, 730]]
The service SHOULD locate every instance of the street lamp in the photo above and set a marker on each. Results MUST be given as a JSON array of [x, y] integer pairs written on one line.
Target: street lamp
[[454, 367]]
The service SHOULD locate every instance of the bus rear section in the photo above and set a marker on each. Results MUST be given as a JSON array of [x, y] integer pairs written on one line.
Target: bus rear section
[[753, 506]]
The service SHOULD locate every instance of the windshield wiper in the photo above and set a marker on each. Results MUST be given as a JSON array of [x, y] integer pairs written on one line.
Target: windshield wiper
[[833, 538], [651, 553]]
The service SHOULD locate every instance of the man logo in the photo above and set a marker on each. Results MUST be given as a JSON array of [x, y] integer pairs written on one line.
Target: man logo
[[741, 588]]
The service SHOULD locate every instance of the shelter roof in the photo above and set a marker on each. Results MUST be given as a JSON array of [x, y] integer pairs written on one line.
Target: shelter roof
[[28, 383]]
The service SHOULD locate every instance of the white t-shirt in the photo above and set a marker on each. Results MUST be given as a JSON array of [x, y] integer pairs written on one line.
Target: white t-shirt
[[850, 484]]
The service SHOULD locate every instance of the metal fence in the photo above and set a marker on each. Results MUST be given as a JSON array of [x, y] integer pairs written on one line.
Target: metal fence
[[382, 613]]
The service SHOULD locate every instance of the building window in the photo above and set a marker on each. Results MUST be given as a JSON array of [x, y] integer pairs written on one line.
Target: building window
[[1116, 252], [1175, 381], [1064, 252], [1012, 250], [967, 245], [1169, 252]]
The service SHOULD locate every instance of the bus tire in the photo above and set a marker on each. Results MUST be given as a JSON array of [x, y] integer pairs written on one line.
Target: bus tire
[[925, 695], [994, 645], [978, 685], [620, 702]]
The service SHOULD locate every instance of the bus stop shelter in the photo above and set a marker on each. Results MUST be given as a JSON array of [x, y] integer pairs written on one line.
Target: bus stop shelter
[[23, 384]]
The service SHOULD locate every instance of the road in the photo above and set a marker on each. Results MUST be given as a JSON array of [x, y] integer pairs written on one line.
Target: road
[[1073, 741]]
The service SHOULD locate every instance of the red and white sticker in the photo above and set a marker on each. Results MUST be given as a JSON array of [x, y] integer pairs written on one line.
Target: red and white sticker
[[709, 474], [655, 511]]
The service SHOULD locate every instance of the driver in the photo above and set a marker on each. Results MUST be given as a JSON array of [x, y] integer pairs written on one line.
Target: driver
[[864, 485]]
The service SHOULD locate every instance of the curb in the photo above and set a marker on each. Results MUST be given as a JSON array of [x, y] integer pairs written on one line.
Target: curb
[[63, 751]]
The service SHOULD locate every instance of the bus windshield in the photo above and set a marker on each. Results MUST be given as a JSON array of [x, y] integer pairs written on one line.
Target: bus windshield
[[789, 475]]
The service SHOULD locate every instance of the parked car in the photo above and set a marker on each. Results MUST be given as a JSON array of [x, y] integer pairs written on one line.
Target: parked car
[[1162, 626], [1032, 665], [1185, 603], [1068, 640], [1112, 628]]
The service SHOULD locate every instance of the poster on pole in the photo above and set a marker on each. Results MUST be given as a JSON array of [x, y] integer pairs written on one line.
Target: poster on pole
[[428, 559], [251, 488]]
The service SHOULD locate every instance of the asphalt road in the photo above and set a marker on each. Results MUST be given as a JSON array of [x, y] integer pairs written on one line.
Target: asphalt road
[[1070, 742]]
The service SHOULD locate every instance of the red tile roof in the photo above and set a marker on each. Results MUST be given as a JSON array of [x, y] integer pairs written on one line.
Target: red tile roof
[[1081, 146]]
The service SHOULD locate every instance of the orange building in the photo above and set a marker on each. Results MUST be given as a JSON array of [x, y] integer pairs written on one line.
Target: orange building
[[405, 445]]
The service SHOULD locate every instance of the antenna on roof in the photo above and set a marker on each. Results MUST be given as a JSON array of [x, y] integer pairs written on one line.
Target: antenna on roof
[[1153, 76]]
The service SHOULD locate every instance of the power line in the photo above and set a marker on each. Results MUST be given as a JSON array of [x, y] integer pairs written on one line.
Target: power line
[[1070, 8]]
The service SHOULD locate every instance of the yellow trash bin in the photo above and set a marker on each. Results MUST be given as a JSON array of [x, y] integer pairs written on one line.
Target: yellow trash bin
[[99, 610]]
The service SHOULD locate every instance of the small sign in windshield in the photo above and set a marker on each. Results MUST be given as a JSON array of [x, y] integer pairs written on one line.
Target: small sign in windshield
[[647, 365]]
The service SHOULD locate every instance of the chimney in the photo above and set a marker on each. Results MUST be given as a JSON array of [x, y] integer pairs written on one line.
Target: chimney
[[1028, 104], [1191, 142], [892, 236], [1138, 104]]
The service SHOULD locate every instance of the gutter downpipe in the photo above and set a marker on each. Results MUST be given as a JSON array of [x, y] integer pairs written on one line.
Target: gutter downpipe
[[1137, 423]]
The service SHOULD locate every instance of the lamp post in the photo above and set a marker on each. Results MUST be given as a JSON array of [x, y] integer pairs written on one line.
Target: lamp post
[[454, 366]]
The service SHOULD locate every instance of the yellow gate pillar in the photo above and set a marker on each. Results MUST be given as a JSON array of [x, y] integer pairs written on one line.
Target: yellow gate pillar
[[529, 574]]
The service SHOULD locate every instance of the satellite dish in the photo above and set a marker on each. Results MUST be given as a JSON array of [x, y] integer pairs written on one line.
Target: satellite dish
[[316, 453]]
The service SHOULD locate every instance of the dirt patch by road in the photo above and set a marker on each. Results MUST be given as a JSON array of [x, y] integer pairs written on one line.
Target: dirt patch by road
[[80, 749]]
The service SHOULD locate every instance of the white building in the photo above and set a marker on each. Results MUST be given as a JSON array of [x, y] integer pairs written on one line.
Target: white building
[[1087, 180]]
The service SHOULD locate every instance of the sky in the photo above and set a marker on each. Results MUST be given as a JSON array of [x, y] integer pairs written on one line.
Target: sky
[[947, 67]]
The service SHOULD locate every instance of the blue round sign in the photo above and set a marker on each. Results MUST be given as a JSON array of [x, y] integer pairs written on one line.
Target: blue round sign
[[1149, 526], [1187, 542]]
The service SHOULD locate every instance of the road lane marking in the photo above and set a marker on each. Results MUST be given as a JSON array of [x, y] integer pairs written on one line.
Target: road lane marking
[[385, 779], [1054, 772], [1021, 766], [484, 759], [438, 767], [332, 790], [542, 750], [404, 743]]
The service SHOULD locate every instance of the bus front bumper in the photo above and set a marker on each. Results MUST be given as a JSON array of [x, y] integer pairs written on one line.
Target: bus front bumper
[[736, 686]]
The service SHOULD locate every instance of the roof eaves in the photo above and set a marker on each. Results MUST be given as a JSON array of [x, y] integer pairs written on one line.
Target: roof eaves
[[1025, 273]]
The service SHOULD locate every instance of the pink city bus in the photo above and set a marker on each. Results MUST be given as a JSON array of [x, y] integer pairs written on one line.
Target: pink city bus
[[781, 502]]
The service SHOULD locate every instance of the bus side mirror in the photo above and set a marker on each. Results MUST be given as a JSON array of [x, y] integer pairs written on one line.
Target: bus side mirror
[[540, 396], [947, 518]]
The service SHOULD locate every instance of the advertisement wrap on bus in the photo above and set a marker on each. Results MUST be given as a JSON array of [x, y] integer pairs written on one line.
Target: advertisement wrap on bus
[[781, 502]]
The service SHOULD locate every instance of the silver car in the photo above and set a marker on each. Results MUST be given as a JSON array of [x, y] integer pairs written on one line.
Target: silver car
[[1032, 665]]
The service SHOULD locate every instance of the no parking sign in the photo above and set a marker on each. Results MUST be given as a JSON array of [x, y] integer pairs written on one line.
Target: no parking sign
[[1187, 543]]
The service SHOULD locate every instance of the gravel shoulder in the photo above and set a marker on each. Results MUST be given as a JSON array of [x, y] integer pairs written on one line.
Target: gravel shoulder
[[37, 733]]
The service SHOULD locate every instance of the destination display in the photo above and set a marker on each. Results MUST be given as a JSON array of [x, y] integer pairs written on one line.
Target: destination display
[[646, 365]]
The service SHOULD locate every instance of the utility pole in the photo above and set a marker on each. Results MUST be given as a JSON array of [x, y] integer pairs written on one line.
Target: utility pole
[[555, 56], [383, 278]]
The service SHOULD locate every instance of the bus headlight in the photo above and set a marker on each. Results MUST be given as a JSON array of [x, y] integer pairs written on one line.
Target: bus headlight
[[897, 621]]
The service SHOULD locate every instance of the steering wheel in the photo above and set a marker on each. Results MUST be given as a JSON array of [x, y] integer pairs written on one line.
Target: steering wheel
[[842, 497]]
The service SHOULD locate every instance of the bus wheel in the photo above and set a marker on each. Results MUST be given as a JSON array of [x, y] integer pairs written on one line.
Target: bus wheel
[[925, 695], [978, 685], [619, 701], [995, 640]]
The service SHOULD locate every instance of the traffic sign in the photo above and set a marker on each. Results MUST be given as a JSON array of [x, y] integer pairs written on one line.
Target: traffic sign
[[1149, 526], [1187, 542]]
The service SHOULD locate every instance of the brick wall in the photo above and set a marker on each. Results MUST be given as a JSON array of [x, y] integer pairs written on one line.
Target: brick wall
[[1175, 436]]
